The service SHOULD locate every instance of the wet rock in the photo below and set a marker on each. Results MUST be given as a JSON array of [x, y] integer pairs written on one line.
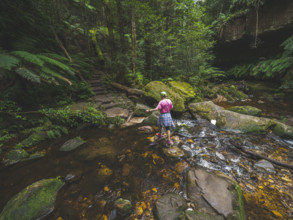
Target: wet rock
[[72, 144], [264, 165], [126, 169], [102, 149], [154, 88], [246, 110], [260, 102], [213, 194], [117, 112], [170, 206], [181, 166], [34, 138], [133, 121], [191, 215], [34, 202], [145, 130], [173, 152], [245, 123], [71, 178], [123, 206]]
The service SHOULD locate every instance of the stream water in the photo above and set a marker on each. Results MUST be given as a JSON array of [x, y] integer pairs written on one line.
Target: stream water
[[118, 163]]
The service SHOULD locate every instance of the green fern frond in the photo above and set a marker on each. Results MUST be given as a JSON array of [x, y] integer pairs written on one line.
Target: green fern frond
[[55, 56], [28, 75], [28, 57], [56, 75], [8, 62], [54, 62]]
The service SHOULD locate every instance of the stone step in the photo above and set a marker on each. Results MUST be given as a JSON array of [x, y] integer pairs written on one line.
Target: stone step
[[95, 81], [100, 92], [103, 99], [109, 105], [97, 89]]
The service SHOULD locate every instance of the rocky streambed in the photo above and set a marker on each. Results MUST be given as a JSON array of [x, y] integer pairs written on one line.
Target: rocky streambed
[[128, 174]]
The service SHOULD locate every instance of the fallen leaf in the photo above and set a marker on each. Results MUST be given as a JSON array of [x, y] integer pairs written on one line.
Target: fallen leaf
[[139, 211], [190, 141], [106, 188], [154, 190], [176, 185], [276, 213]]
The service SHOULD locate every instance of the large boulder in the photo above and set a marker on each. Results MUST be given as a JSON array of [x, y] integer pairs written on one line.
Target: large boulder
[[154, 88], [245, 123], [215, 195], [246, 110], [34, 202], [184, 89]]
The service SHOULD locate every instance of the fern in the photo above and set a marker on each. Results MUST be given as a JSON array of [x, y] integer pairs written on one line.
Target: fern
[[28, 57], [27, 74], [62, 66], [54, 74], [8, 62], [55, 56]]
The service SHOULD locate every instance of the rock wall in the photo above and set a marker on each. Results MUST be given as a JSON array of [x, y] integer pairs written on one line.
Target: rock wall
[[236, 38]]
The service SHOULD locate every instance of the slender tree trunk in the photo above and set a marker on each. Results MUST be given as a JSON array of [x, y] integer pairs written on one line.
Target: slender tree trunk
[[133, 31], [120, 25], [256, 23], [109, 22]]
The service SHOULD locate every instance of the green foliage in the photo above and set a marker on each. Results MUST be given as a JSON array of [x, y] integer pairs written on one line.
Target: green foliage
[[28, 75], [68, 117], [276, 67]]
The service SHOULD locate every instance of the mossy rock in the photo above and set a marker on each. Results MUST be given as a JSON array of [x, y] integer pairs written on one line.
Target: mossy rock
[[154, 88], [34, 138], [234, 120], [183, 88], [152, 119], [246, 110], [15, 156], [123, 206], [33, 202]]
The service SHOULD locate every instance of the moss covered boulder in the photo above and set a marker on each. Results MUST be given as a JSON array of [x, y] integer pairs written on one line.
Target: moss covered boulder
[[34, 202], [245, 123], [184, 89], [246, 110], [153, 90]]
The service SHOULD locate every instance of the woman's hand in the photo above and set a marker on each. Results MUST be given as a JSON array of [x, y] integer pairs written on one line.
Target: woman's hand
[[147, 110]]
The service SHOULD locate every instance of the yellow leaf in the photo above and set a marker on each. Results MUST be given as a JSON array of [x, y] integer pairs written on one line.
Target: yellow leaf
[[104, 217], [154, 197], [190, 141], [59, 218], [260, 187], [143, 205], [106, 188], [85, 198], [154, 190], [276, 213], [139, 211], [176, 185], [286, 179]]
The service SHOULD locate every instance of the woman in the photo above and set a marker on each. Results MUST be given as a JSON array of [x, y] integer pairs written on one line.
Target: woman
[[165, 119]]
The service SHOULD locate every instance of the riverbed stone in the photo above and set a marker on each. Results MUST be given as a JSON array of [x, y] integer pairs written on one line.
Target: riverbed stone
[[101, 149], [15, 156], [145, 130], [117, 112], [245, 123], [264, 165], [246, 110], [33, 202], [123, 206], [72, 144], [170, 206], [174, 152], [154, 88], [214, 195]]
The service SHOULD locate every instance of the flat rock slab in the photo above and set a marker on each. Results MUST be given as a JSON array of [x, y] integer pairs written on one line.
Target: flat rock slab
[[103, 98], [72, 144], [173, 152], [264, 165], [117, 111], [33, 202], [211, 192]]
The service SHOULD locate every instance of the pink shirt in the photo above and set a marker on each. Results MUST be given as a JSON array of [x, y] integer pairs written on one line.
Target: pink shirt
[[165, 106]]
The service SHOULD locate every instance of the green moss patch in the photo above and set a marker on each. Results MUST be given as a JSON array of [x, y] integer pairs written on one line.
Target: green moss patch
[[34, 202]]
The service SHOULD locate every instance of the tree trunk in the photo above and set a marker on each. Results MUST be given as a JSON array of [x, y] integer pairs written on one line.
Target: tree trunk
[[133, 31], [120, 25]]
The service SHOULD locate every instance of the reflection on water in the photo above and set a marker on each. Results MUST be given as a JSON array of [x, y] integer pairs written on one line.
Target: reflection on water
[[121, 163]]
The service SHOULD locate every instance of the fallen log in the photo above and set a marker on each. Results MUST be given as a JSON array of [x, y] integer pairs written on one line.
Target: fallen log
[[238, 146], [127, 89]]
